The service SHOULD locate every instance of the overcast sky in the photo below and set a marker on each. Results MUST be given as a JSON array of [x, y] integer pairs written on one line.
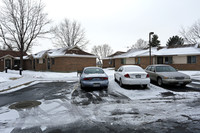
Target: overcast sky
[[120, 23]]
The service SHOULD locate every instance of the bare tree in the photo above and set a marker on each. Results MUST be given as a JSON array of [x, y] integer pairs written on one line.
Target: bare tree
[[140, 44], [192, 33], [21, 22], [69, 33], [102, 51]]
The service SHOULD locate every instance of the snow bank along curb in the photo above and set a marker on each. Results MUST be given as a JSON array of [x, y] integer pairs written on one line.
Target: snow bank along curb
[[14, 87]]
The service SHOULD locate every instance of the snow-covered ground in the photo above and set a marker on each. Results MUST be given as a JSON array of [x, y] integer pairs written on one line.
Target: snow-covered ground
[[143, 106], [12, 81]]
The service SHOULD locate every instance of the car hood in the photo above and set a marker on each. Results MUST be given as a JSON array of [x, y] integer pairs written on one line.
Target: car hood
[[172, 74]]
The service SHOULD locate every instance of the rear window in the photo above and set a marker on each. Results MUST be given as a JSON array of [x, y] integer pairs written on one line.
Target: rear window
[[165, 69], [133, 69], [93, 71]]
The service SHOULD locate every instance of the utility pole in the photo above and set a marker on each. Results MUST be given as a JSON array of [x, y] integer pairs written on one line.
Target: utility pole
[[150, 33]]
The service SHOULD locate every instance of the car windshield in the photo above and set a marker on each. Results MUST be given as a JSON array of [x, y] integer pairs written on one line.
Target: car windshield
[[165, 69], [93, 71], [133, 69]]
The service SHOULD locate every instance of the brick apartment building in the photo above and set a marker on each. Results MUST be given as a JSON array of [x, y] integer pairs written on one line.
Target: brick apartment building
[[62, 60], [59, 60], [186, 57], [11, 59]]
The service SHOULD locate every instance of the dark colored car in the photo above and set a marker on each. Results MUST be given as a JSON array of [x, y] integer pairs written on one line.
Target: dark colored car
[[166, 74]]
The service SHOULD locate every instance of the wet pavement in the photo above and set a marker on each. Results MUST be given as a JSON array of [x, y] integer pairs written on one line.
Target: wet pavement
[[104, 110]]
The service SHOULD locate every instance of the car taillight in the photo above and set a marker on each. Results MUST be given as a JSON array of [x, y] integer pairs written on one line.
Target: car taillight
[[147, 76], [127, 75], [87, 78], [105, 78]]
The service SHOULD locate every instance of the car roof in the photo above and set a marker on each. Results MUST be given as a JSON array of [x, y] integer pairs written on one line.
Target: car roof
[[130, 66], [92, 67], [159, 65]]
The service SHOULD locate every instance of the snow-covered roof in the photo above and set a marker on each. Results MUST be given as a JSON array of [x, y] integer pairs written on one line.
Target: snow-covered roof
[[137, 52], [181, 50], [193, 50], [63, 52], [24, 58]]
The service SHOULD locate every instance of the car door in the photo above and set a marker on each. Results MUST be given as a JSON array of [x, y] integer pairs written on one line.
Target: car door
[[153, 73], [118, 73]]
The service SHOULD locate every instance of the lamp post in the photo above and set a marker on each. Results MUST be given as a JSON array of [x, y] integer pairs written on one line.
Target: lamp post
[[150, 33]]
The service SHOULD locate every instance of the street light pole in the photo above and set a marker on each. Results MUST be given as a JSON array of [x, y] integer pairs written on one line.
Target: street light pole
[[150, 33]]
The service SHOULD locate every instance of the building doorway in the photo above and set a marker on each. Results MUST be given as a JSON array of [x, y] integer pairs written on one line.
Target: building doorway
[[160, 60], [8, 63]]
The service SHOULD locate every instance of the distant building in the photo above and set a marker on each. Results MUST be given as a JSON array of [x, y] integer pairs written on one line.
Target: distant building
[[63, 60], [11, 59], [186, 57], [110, 61]]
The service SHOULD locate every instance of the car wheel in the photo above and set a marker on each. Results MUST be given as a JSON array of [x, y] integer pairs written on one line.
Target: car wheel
[[115, 79], [82, 86], [183, 85], [144, 86], [120, 83], [159, 81]]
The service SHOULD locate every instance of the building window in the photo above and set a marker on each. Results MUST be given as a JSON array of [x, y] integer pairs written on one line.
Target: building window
[[168, 60], [43, 60], [52, 61], [137, 60], [110, 62], [191, 59], [123, 61], [37, 61]]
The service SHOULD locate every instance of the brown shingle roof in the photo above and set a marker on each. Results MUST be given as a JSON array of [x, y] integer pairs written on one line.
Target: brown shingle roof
[[12, 53]]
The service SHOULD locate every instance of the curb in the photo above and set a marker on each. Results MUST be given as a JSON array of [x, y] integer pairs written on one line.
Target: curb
[[10, 88]]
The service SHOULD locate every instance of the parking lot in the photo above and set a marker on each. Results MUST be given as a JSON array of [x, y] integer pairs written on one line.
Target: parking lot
[[66, 108]]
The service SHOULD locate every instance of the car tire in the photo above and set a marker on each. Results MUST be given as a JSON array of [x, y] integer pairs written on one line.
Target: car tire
[[183, 85], [144, 86], [120, 83], [82, 87], [115, 79], [159, 81]]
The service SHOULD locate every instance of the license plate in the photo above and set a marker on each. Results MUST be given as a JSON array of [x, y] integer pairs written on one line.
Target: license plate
[[138, 76], [96, 85]]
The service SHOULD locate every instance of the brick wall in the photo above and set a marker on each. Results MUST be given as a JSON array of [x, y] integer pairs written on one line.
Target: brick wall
[[68, 64], [40, 66], [195, 66], [106, 63], [28, 65], [1, 65]]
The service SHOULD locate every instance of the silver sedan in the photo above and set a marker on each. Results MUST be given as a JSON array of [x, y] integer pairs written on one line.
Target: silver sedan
[[94, 77], [166, 74]]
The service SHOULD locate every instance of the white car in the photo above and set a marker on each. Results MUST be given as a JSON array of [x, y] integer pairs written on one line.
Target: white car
[[132, 75]]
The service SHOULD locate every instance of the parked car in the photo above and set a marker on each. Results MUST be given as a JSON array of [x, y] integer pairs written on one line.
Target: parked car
[[166, 74], [131, 75], [94, 77]]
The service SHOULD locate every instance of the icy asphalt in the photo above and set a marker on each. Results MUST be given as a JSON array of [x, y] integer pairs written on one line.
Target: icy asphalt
[[67, 108]]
